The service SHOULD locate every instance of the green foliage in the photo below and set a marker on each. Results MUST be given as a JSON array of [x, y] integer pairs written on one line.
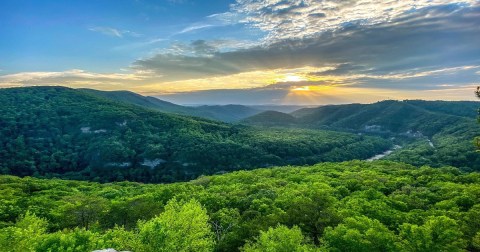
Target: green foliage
[[24, 235], [72, 134], [434, 133], [437, 234], [477, 139], [279, 239], [350, 206], [72, 241], [181, 227], [360, 234], [225, 113]]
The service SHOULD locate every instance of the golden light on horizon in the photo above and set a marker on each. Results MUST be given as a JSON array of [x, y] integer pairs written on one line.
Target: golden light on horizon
[[245, 80], [302, 88], [293, 78]]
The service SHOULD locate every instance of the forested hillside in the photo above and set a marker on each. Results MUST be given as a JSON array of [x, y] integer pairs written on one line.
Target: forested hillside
[[225, 113], [67, 133], [351, 206], [434, 133]]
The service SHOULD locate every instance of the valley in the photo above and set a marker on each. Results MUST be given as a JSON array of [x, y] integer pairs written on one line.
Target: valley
[[239, 126], [149, 165]]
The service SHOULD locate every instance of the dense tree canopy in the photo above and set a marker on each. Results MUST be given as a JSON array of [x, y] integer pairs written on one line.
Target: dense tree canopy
[[477, 139], [351, 206], [434, 133], [67, 133]]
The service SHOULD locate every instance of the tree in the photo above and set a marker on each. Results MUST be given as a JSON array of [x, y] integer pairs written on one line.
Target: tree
[[437, 234], [24, 235], [83, 211], [181, 227], [476, 241], [360, 234], [78, 239], [279, 239]]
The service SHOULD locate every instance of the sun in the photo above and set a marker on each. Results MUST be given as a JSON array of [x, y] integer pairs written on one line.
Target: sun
[[293, 78]]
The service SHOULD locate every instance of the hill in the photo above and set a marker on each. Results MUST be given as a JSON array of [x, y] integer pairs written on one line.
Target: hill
[[67, 133], [270, 118], [387, 116], [351, 206], [225, 113], [435, 133]]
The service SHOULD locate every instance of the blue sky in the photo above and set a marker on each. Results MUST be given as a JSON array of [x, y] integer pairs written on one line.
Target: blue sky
[[246, 51], [57, 35]]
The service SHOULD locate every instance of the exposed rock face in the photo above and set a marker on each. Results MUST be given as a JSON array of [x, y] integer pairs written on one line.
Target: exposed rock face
[[153, 163], [108, 250]]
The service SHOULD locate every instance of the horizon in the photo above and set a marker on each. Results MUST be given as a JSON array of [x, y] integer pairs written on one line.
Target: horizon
[[248, 52], [253, 105]]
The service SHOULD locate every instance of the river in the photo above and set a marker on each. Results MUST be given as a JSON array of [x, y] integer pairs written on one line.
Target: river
[[384, 154]]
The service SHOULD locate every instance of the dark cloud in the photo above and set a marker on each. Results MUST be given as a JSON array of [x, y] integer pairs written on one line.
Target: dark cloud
[[201, 47], [433, 38]]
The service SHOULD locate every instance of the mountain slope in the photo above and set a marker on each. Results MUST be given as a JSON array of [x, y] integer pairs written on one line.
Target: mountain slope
[[148, 102], [62, 132], [225, 113], [435, 133], [228, 113], [458, 108], [387, 116], [270, 118]]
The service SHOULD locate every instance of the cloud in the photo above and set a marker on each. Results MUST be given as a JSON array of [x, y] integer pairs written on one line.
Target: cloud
[[135, 45], [75, 78], [214, 20], [195, 27], [314, 47], [109, 31], [425, 40], [206, 48], [287, 19]]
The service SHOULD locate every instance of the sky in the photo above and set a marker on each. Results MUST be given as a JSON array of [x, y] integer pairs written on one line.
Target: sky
[[305, 52]]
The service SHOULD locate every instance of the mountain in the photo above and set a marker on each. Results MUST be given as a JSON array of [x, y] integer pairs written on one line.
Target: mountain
[[270, 118], [228, 113], [225, 113], [279, 108], [149, 102], [435, 133], [388, 117], [68, 133], [458, 108]]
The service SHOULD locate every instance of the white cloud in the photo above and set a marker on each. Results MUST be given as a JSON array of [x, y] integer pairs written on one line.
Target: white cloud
[[195, 27], [214, 20], [75, 78], [135, 45], [109, 31], [288, 19]]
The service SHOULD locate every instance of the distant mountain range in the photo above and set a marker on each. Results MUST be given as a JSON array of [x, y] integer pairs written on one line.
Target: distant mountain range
[[391, 116], [225, 113], [431, 132], [112, 136], [120, 135]]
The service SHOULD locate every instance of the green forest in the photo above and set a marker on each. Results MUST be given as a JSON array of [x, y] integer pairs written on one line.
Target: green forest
[[84, 172], [72, 134], [350, 206], [434, 133]]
